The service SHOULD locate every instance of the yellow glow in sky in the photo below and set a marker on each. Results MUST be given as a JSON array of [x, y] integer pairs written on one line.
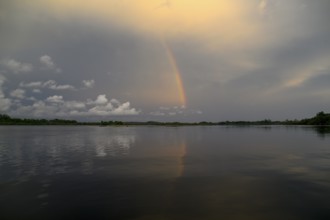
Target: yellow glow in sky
[[228, 20]]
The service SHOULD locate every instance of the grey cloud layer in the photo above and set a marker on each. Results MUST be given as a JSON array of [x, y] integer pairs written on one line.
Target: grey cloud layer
[[4, 102], [282, 73]]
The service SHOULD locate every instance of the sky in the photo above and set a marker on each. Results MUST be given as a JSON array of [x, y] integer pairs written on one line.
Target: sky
[[164, 60]]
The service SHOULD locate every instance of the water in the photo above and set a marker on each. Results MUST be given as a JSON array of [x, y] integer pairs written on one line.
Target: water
[[164, 173]]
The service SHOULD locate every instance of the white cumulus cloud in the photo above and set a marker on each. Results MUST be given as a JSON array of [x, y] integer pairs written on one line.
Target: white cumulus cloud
[[103, 107], [89, 83], [101, 100], [57, 106], [124, 109], [16, 66], [55, 99], [50, 84], [48, 63], [62, 87]]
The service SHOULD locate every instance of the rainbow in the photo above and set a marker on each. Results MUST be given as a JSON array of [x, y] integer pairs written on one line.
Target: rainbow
[[178, 78]]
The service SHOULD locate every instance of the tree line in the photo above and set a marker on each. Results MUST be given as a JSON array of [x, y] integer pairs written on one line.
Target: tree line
[[320, 118], [7, 120]]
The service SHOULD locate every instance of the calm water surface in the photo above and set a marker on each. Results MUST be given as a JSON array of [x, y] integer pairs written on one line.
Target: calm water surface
[[151, 173]]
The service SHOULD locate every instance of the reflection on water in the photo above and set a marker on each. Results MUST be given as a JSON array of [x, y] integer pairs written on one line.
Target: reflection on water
[[323, 131], [265, 172], [51, 150], [116, 145]]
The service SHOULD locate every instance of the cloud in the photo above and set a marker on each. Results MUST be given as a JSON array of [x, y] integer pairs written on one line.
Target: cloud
[[175, 111], [89, 83], [75, 105], [17, 67], [62, 87], [48, 63], [104, 107], [55, 99], [50, 84], [5, 103], [101, 100], [262, 68], [157, 113], [18, 93], [124, 109], [31, 84], [56, 106]]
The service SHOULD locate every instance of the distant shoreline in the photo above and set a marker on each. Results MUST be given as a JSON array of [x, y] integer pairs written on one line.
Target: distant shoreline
[[320, 119]]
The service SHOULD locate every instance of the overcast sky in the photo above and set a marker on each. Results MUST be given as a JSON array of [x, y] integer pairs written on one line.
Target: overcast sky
[[164, 60]]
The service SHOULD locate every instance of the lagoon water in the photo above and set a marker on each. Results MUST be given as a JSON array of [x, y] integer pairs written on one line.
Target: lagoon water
[[82, 172]]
